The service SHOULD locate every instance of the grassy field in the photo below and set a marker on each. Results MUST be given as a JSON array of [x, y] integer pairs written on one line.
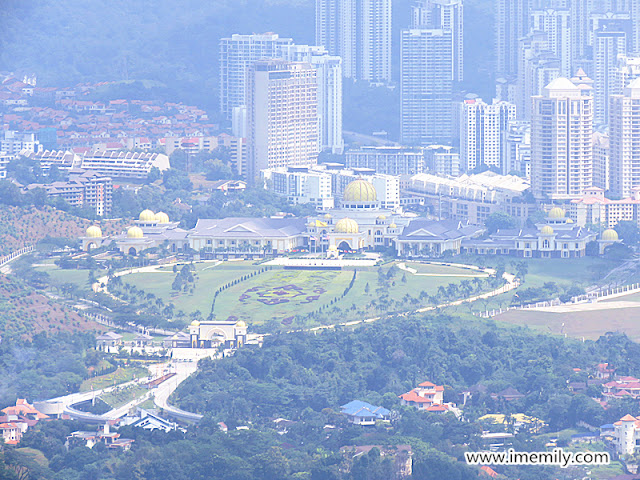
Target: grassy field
[[588, 324], [209, 277], [121, 375], [280, 294]]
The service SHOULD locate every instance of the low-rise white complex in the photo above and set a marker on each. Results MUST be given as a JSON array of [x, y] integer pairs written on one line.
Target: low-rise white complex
[[114, 164], [472, 197]]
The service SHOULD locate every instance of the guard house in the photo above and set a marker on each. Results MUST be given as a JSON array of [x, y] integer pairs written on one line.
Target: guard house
[[212, 334]]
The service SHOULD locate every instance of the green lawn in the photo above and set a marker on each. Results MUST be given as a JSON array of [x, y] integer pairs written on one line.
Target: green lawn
[[208, 278], [59, 276], [261, 299], [121, 375]]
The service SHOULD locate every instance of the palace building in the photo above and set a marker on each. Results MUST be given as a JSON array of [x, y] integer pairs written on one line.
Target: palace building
[[359, 223]]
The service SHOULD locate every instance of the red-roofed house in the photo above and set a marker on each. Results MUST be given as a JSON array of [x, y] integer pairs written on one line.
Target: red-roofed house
[[11, 433], [426, 396], [626, 435]]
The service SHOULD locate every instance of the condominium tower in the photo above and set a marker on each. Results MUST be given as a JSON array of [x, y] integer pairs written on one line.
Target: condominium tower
[[237, 54], [425, 85], [624, 138], [282, 116], [447, 15], [359, 31], [512, 23], [482, 128], [608, 45], [561, 140]]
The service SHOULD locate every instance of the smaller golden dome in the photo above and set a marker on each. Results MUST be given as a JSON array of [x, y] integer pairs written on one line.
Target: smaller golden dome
[[569, 220], [382, 217], [162, 217], [135, 232], [333, 248], [311, 224], [327, 216], [346, 225], [610, 235], [241, 324], [556, 213], [94, 232], [393, 225], [546, 230], [147, 216], [195, 323]]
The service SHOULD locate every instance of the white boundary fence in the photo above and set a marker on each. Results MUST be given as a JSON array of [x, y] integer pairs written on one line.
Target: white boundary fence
[[13, 255], [586, 298]]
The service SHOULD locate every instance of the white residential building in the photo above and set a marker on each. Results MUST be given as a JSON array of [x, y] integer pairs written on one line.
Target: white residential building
[[624, 137], [442, 160], [627, 435], [13, 142], [329, 77], [481, 132], [237, 54], [517, 149], [282, 116], [301, 185], [561, 140]]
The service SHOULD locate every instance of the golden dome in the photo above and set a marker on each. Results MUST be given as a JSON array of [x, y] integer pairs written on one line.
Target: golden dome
[[135, 232], [360, 191], [162, 217], [327, 216], [556, 213], [546, 230], [569, 220], [610, 235], [333, 248], [241, 324], [346, 225], [393, 225], [94, 232], [147, 216], [382, 217], [311, 224], [195, 323]]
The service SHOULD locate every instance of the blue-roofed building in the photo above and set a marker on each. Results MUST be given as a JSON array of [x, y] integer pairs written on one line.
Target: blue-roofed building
[[363, 413]]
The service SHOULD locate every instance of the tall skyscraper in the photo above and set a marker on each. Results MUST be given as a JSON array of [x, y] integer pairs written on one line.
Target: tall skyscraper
[[608, 44], [538, 66], [282, 116], [624, 139], [447, 15], [237, 54], [512, 23], [561, 140], [580, 12], [482, 128], [329, 76], [359, 31], [425, 85], [556, 25]]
